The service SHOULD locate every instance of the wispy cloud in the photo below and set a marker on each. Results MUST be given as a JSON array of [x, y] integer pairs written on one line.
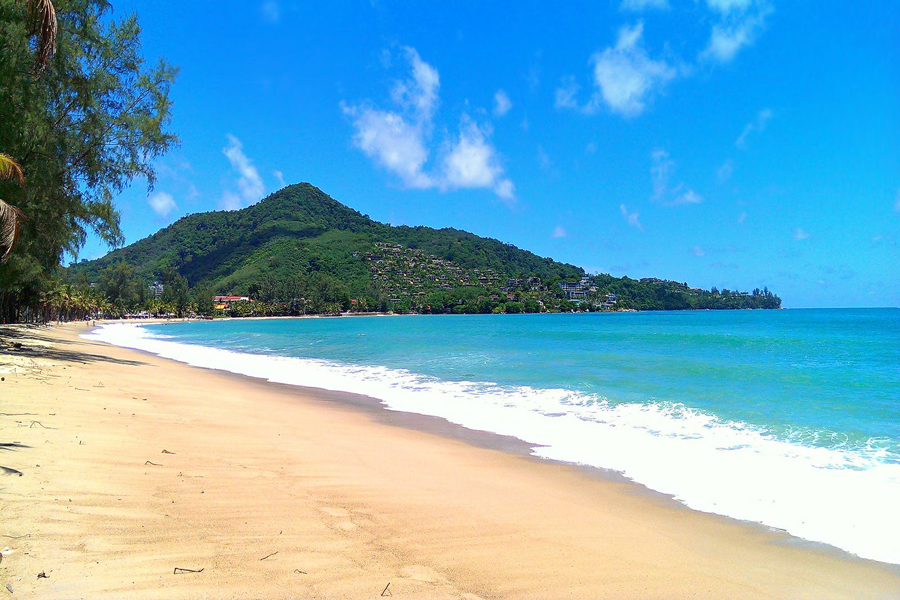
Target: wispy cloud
[[739, 23], [502, 103], [567, 93], [725, 171], [558, 232], [544, 161], [399, 139], [162, 203], [698, 251], [177, 173], [741, 218], [279, 177], [801, 234], [641, 5], [757, 125], [897, 201], [625, 77], [687, 197], [632, 218], [249, 184], [661, 171], [271, 11]]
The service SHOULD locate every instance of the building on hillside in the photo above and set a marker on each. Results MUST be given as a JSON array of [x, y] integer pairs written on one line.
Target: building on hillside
[[224, 302], [575, 290]]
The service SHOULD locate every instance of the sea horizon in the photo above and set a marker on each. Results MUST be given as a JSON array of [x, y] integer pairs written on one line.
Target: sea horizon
[[784, 418]]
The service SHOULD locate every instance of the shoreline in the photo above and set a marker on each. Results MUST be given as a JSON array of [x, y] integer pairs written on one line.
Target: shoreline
[[490, 440], [777, 561]]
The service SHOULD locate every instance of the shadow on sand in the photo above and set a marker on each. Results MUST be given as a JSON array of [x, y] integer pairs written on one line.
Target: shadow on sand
[[11, 346]]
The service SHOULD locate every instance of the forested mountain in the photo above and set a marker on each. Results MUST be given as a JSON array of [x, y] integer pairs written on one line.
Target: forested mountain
[[299, 250]]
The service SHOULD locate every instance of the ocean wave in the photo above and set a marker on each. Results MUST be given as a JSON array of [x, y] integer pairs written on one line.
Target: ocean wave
[[839, 495]]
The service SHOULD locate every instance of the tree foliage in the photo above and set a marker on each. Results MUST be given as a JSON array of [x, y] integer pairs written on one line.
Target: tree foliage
[[82, 131]]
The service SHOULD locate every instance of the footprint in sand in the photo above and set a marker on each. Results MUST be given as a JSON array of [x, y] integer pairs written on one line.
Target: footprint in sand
[[339, 513], [422, 573]]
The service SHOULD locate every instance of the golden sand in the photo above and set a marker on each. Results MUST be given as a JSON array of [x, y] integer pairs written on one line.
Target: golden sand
[[134, 466]]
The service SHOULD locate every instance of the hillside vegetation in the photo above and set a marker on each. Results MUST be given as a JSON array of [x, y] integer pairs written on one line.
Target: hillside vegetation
[[300, 251]]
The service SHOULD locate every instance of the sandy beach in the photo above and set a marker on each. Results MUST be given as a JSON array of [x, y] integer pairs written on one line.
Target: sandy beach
[[130, 476]]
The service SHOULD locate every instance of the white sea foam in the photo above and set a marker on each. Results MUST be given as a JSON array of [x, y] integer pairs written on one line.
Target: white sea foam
[[846, 498]]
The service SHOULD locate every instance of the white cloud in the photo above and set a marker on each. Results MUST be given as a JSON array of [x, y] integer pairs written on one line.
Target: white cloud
[[626, 77], [698, 251], [740, 21], [279, 177], [800, 234], [502, 103], [472, 162], [559, 232], [392, 142], [162, 203], [742, 217], [897, 202], [639, 5], [399, 139], [271, 11], [249, 183], [757, 125], [420, 91], [661, 171], [632, 218]]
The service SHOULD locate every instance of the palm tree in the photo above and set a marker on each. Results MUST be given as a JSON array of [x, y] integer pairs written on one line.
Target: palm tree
[[42, 17], [10, 216]]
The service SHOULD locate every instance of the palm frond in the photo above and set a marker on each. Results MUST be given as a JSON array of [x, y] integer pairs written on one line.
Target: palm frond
[[42, 15], [10, 224], [10, 169]]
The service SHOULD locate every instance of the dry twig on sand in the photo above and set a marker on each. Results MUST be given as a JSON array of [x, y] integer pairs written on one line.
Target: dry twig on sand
[[179, 570]]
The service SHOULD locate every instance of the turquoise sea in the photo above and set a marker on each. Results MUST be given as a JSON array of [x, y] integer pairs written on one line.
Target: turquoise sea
[[788, 418]]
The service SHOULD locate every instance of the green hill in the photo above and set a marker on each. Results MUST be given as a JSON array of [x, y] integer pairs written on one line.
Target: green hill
[[301, 250]]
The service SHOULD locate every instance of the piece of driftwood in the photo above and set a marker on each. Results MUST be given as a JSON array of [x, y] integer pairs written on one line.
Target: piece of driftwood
[[43, 575], [269, 555], [179, 570], [385, 591], [301, 572], [150, 462], [166, 451]]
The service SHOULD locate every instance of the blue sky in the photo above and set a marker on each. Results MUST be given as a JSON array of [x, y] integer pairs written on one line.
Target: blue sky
[[735, 143]]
